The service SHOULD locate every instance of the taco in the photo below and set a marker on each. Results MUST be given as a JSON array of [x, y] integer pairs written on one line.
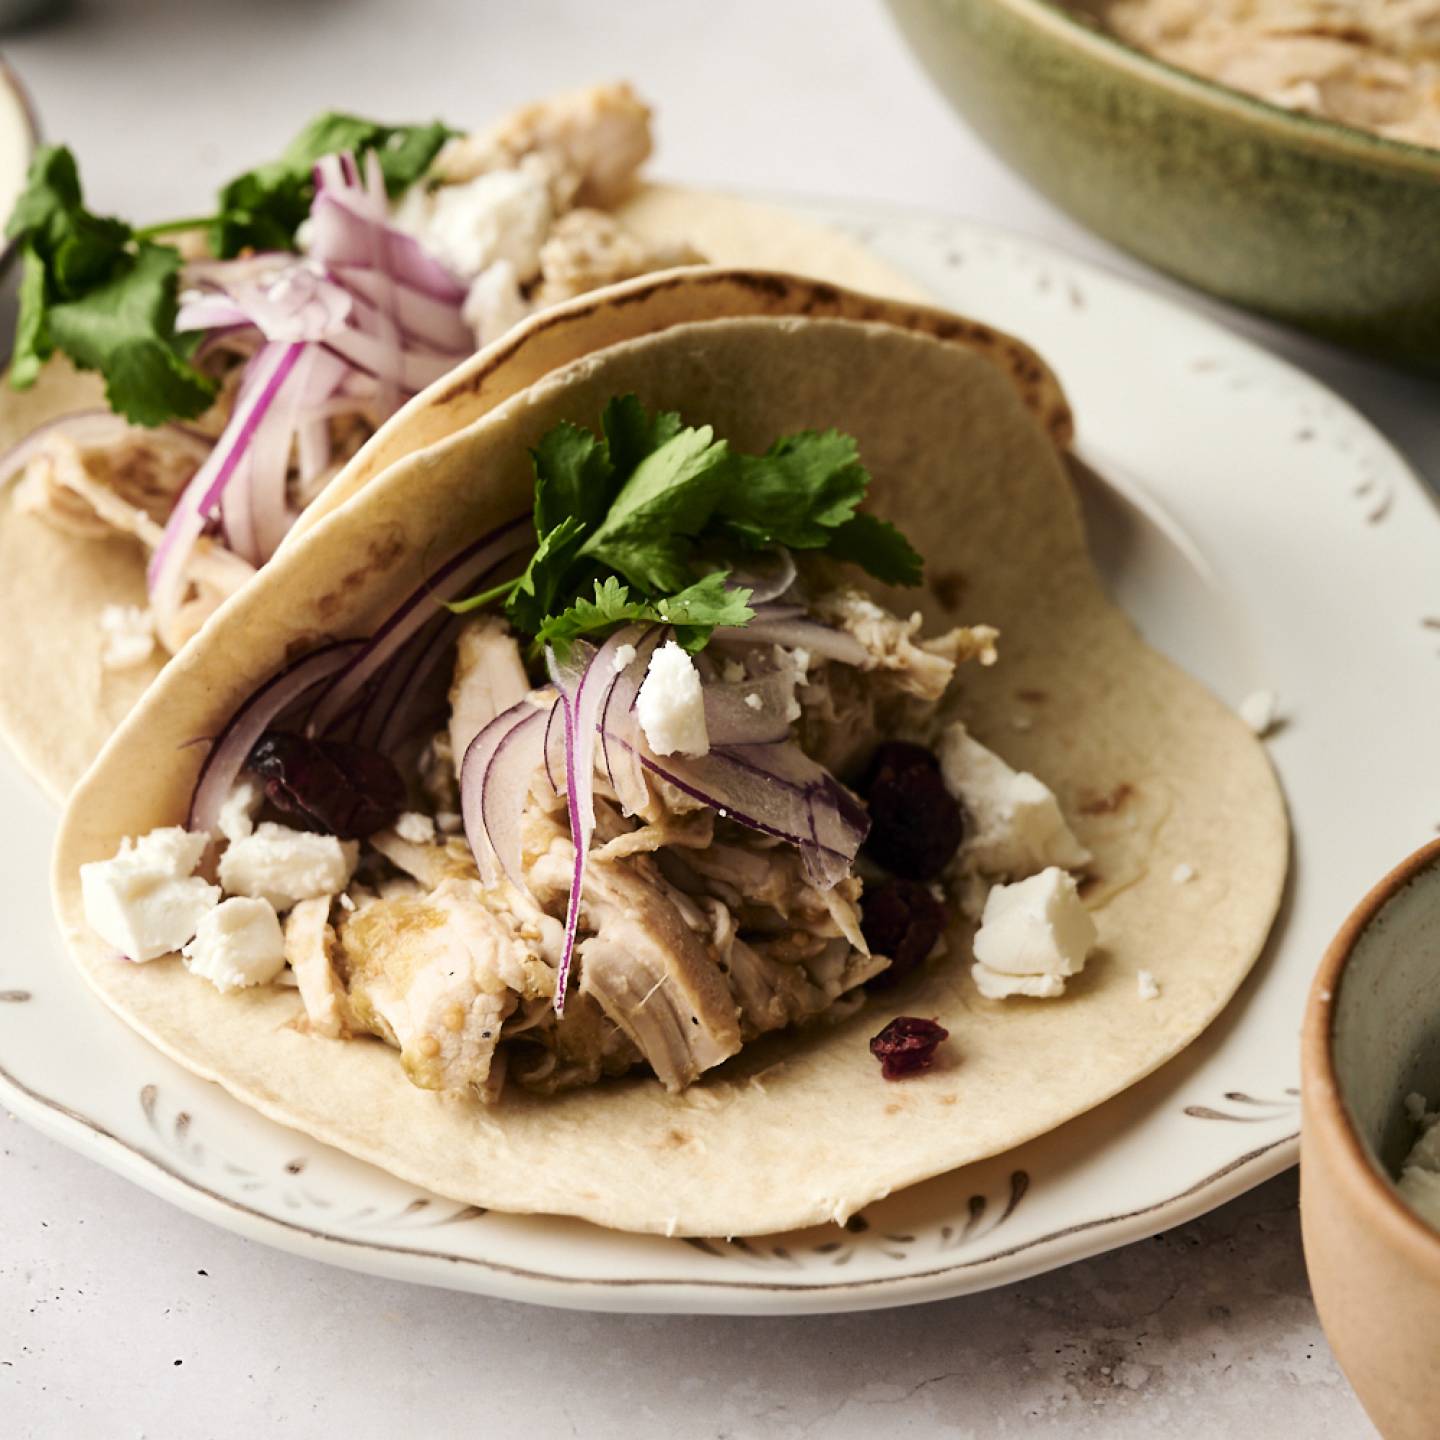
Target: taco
[[260, 353], [716, 771]]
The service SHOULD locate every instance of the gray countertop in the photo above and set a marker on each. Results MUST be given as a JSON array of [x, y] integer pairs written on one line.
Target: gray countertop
[[122, 1317]]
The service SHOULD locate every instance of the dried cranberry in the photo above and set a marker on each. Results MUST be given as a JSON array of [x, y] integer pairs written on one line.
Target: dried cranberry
[[903, 920], [916, 824], [328, 785], [907, 1045]]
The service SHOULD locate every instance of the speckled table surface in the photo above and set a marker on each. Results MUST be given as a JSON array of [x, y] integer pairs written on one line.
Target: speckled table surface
[[122, 1317]]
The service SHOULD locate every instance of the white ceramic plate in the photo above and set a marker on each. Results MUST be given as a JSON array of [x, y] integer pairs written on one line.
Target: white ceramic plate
[[1259, 531]]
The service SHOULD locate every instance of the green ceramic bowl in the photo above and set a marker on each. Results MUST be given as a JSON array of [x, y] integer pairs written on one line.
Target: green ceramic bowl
[[1315, 223]]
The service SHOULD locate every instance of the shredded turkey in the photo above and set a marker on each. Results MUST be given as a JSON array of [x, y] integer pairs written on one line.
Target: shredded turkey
[[589, 248], [1370, 63], [309, 941], [594, 141], [695, 933], [489, 678]]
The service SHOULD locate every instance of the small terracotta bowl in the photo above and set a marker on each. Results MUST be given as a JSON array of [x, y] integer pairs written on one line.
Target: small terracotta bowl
[[1372, 1036]]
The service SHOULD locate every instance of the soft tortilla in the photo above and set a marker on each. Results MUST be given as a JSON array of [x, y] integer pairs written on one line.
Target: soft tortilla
[[58, 704], [801, 1128]]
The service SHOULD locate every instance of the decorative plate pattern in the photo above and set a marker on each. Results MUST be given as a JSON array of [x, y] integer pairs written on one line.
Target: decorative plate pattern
[[1216, 460]]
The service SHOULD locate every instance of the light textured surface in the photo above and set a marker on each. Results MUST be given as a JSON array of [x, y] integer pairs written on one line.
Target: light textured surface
[[122, 1317], [99, 1290]]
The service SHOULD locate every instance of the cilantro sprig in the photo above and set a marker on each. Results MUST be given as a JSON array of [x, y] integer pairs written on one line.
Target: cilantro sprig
[[630, 517], [263, 208], [106, 298], [106, 294]]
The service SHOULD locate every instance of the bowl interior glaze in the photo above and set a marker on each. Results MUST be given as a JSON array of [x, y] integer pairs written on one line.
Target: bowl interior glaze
[[1385, 1036]]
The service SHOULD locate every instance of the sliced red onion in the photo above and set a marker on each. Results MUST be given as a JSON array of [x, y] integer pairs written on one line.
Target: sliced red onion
[[777, 790], [767, 574], [554, 754], [338, 236], [820, 640], [433, 647], [201, 497], [410, 370], [474, 564], [618, 720], [496, 773], [749, 712], [292, 300], [422, 316], [232, 746]]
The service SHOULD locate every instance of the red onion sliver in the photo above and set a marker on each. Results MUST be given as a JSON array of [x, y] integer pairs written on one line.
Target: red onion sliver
[[493, 790], [232, 746], [820, 640], [201, 496], [617, 718], [767, 574], [583, 682], [731, 718], [474, 564]]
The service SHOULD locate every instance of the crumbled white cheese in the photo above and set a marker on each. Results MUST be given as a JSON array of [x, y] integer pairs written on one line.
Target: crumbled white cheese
[[1259, 711], [501, 215], [237, 814], [146, 901], [415, 828], [283, 865], [1182, 874], [1419, 1181], [995, 985], [671, 704], [1016, 827], [346, 903], [238, 944], [1032, 935], [129, 635], [494, 303], [1147, 986], [732, 672], [753, 701], [623, 658], [447, 822]]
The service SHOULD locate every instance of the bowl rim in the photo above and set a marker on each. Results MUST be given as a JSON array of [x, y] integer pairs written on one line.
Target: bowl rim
[[1326, 1116], [1315, 131]]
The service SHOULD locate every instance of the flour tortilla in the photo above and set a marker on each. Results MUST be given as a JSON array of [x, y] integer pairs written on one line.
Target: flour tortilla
[[799, 1128], [58, 705]]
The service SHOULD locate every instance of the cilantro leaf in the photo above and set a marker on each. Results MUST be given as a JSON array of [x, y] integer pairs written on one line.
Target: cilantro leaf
[[263, 208], [650, 528], [875, 545], [33, 345], [80, 248], [611, 606], [626, 515], [573, 475], [699, 610], [108, 302], [126, 329], [631, 434], [543, 582], [798, 493], [694, 612]]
